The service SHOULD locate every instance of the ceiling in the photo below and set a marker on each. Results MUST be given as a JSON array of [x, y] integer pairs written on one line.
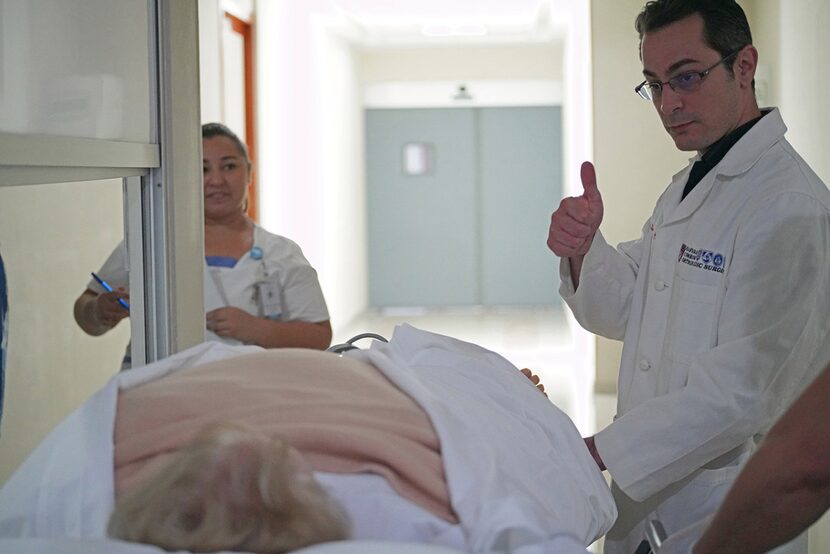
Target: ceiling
[[430, 22]]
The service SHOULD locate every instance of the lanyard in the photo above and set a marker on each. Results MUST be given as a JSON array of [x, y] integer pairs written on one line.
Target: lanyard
[[217, 285]]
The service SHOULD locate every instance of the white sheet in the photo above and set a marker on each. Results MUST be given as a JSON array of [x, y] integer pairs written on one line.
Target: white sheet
[[563, 545], [519, 476], [65, 487], [518, 471]]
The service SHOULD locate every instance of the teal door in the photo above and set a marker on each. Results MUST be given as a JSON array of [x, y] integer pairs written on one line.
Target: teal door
[[466, 223]]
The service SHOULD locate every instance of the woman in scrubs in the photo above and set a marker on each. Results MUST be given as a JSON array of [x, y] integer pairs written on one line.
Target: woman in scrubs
[[259, 288]]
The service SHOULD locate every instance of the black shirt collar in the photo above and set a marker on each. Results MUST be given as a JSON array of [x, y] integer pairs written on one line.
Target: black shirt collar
[[716, 153], [719, 149]]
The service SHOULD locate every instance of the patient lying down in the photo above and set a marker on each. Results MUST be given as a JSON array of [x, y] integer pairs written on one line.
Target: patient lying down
[[235, 488], [232, 488], [425, 439], [222, 491]]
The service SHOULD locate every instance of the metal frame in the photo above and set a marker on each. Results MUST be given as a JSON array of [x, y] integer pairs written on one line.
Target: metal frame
[[48, 150], [31, 159], [162, 186], [134, 237], [172, 228]]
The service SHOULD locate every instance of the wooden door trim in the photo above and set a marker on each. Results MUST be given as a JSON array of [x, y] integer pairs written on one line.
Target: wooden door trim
[[245, 29]]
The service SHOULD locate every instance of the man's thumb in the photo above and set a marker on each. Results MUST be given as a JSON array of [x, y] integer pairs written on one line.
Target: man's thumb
[[589, 183]]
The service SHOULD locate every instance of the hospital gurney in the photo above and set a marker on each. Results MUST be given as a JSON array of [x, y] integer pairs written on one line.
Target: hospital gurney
[[682, 541], [63, 493]]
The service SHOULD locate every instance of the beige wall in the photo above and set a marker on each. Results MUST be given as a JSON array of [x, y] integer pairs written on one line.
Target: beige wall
[[343, 265], [792, 43], [51, 237], [634, 157], [210, 60], [800, 74], [311, 127], [537, 61]]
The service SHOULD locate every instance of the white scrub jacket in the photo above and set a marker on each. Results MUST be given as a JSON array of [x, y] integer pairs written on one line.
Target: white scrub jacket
[[282, 272], [722, 304], [279, 268]]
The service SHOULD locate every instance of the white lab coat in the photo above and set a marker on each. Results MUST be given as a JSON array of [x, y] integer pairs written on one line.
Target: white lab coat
[[723, 307]]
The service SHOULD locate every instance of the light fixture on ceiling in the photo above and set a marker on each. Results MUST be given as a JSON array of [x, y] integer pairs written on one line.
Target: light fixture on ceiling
[[462, 93], [443, 30]]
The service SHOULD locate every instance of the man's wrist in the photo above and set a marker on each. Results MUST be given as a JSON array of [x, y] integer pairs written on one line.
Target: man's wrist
[[587, 245], [592, 448]]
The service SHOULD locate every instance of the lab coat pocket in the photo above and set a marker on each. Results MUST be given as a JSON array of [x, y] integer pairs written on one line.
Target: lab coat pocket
[[713, 478], [692, 317], [677, 373], [691, 331], [706, 491]]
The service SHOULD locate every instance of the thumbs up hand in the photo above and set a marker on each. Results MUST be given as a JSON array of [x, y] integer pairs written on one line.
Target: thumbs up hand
[[574, 224]]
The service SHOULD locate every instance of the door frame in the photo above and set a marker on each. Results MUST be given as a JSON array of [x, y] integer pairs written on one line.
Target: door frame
[[246, 32]]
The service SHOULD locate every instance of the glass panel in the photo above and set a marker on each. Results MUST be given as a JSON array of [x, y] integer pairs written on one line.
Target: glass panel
[[52, 237], [417, 158], [68, 68]]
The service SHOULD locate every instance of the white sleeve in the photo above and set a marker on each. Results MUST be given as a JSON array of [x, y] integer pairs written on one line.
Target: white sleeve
[[115, 271], [302, 296], [602, 302]]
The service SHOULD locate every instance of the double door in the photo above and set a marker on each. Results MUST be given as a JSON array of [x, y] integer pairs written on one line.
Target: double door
[[459, 203]]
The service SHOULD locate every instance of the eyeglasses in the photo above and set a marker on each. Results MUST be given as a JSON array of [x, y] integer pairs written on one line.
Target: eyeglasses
[[685, 82]]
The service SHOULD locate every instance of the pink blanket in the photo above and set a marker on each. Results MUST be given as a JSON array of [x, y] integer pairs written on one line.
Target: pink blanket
[[341, 413]]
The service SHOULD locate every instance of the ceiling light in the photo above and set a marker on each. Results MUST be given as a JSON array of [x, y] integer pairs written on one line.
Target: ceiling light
[[461, 30]]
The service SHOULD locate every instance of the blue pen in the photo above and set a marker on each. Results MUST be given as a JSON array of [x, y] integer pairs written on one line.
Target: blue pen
[[108, 288]]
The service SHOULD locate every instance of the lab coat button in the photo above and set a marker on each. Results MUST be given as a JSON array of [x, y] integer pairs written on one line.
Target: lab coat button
[[659, 285], [644, 365]]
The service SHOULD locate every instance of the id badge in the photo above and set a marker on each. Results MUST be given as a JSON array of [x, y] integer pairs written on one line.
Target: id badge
[[270, 300]]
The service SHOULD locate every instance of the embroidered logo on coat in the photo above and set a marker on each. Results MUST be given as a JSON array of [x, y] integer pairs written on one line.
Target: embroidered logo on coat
[[703, 259]]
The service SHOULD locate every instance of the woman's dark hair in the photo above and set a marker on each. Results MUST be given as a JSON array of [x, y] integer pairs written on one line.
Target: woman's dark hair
[[725, 27], [210, 130]]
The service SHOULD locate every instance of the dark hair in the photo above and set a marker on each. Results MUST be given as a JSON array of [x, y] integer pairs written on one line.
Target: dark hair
[[210, 130], [725, 27]]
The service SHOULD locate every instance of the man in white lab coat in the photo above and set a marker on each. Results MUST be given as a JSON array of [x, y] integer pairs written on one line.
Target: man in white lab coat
[[722, 302]]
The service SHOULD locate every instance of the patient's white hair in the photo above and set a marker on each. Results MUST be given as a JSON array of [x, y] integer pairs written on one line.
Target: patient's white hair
[[230, 489]]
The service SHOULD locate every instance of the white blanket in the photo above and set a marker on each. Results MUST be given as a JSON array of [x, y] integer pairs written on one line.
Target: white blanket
[[519, 475], [518, 471]]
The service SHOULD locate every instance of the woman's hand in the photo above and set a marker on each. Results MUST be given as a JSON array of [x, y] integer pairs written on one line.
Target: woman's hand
[[233, 323], [240, 325], [107, 310], [98, 313]]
